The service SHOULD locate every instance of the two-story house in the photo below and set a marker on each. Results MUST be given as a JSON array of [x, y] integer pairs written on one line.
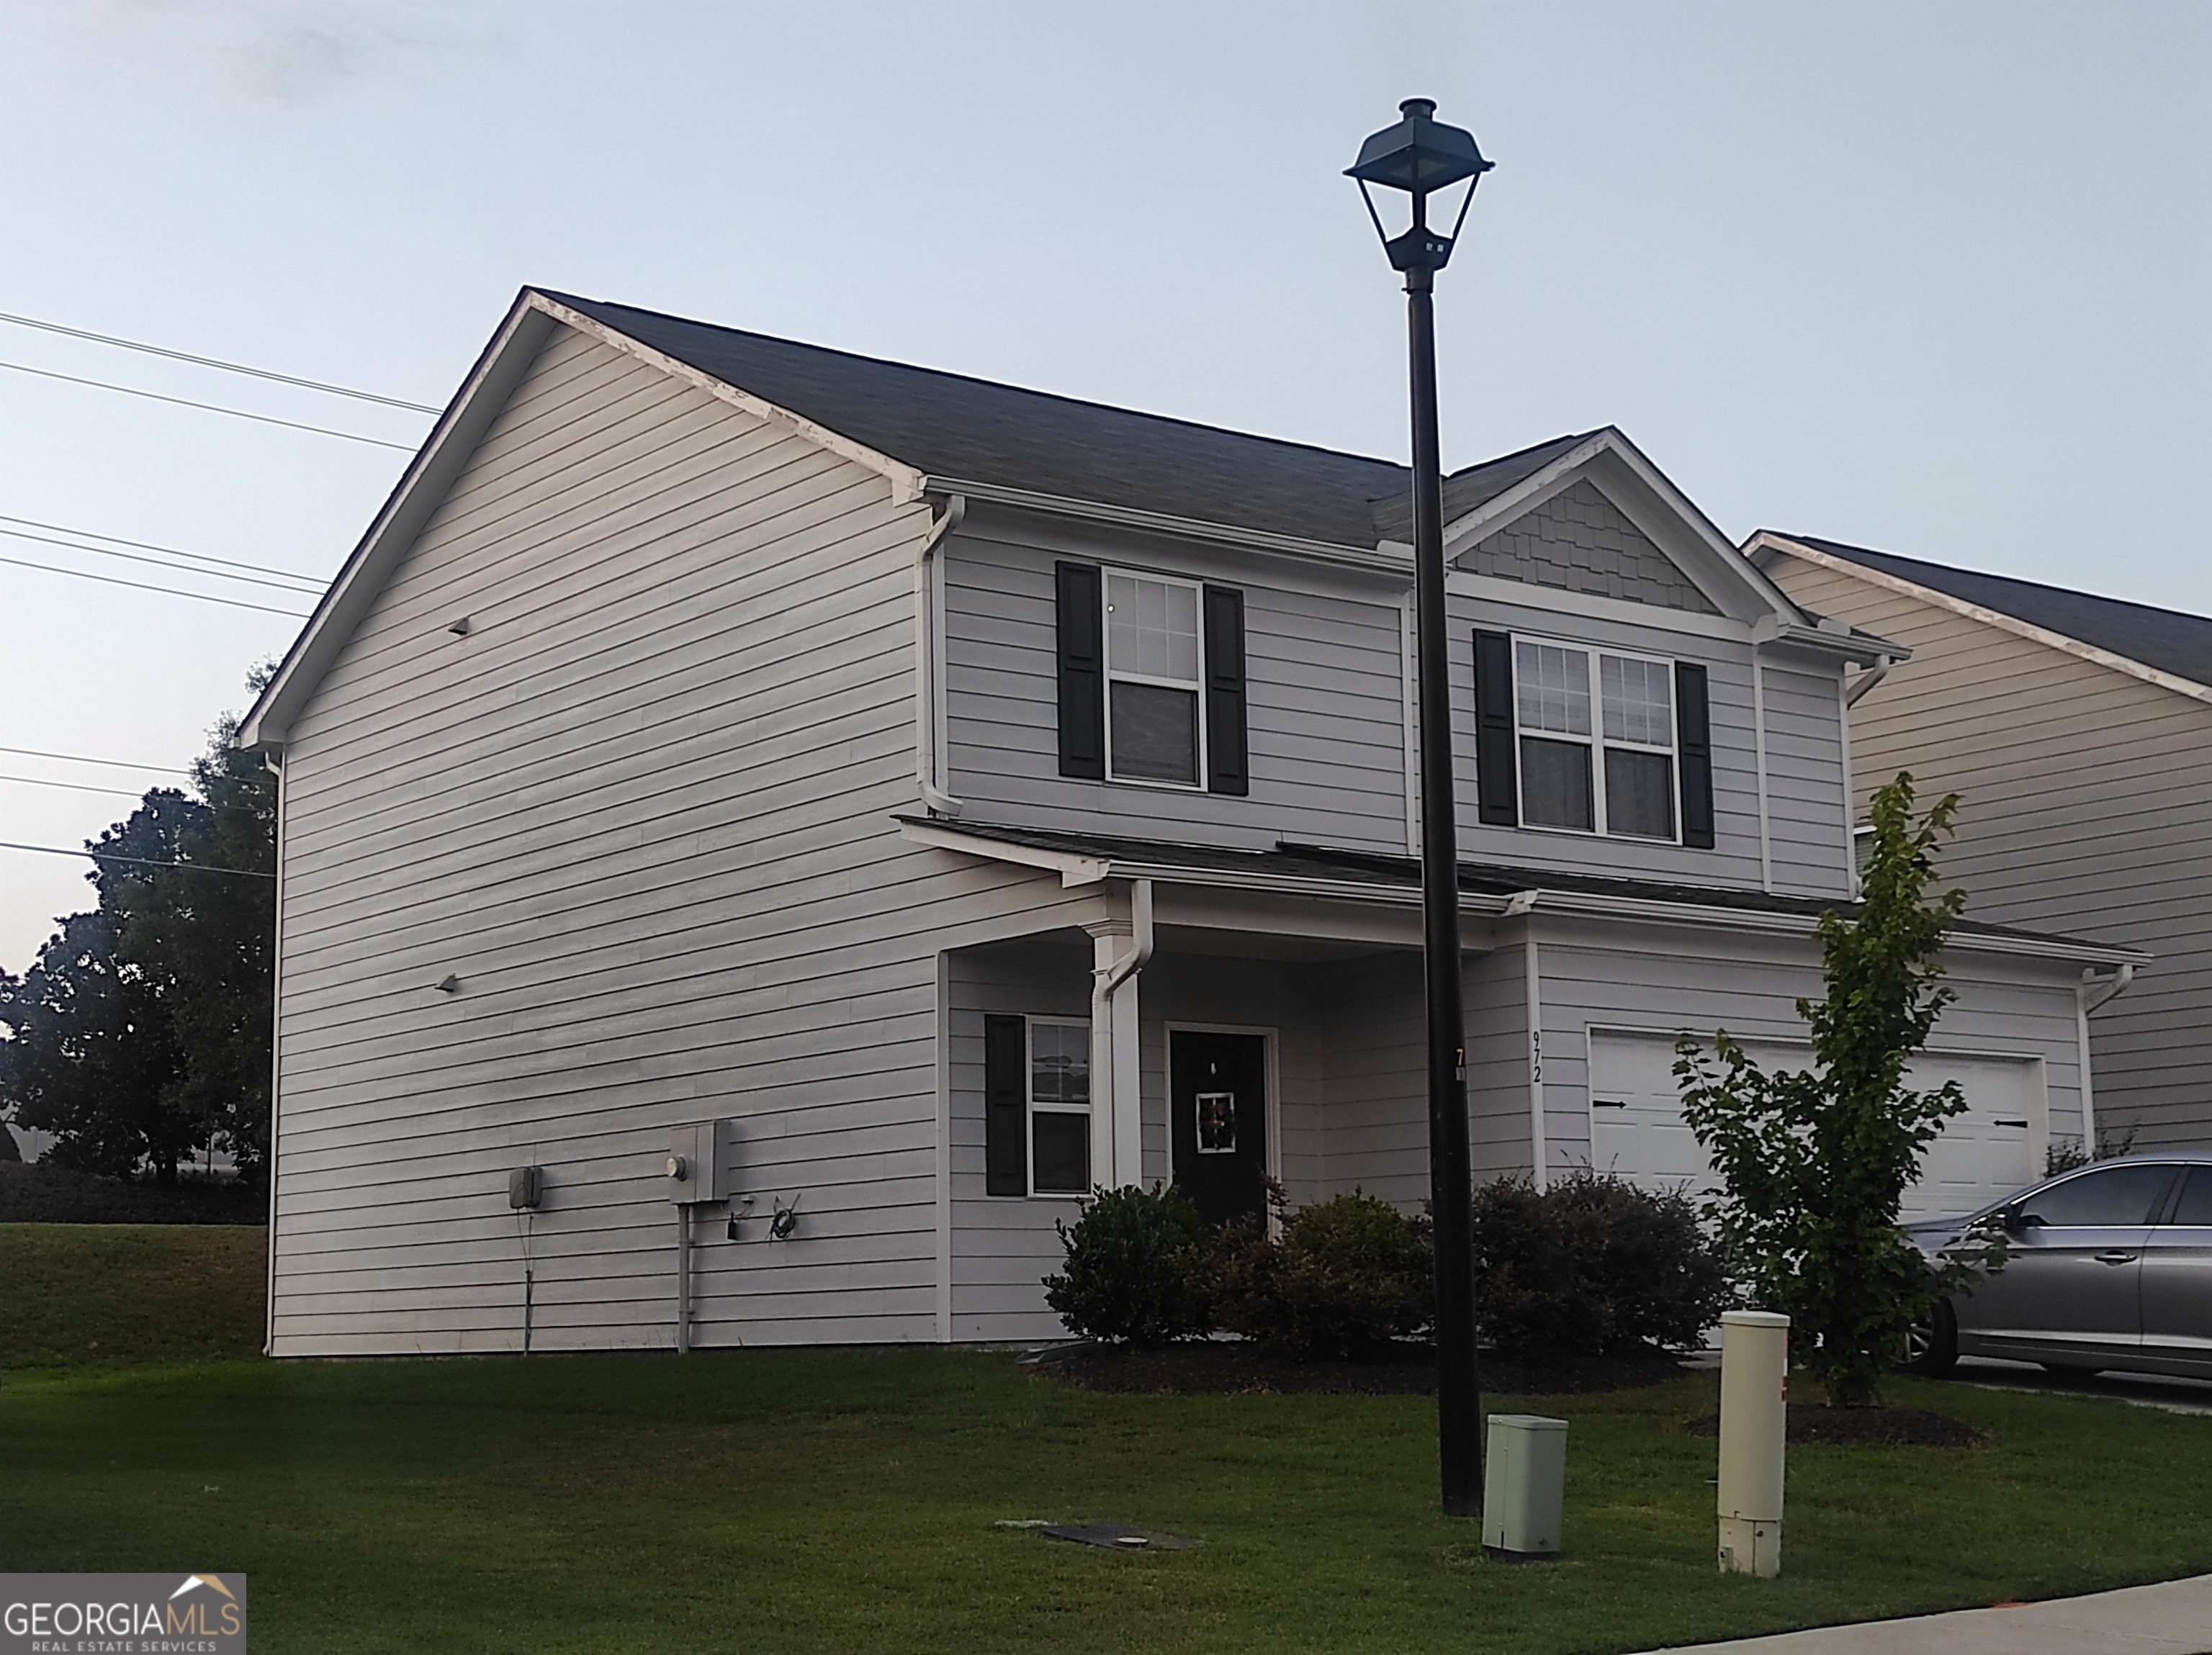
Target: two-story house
[[2077, 731], [973, 797]]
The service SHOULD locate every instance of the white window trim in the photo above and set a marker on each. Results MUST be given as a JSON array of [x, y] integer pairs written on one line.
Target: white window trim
[[1597, 740], [1196, 685], [1031, 1108]]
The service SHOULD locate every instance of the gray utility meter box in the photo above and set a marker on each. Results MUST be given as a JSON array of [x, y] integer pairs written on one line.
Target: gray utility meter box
[[701, 1162], [1524, 1479]]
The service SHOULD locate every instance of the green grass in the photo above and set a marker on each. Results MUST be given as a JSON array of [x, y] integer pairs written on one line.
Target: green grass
[[115, 1295], [843, 1500]]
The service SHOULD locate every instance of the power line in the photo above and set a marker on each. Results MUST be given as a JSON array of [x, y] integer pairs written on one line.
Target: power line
[[150, 546], [74, 786], [285, 586], [141, 585], [78, 758], [209, 407], [217, 361], [135, 861]]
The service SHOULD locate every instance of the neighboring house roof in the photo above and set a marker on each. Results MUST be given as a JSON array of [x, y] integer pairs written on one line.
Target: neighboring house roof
[[1489, 888], [950, 425], [2166, 640]]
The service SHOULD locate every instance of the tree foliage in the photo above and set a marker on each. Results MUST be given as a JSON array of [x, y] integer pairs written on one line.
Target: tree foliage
[[1813, 1165], [140, 1034]]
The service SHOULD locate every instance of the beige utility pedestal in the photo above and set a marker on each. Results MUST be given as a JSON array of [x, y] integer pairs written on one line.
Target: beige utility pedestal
[[1754, 1425]]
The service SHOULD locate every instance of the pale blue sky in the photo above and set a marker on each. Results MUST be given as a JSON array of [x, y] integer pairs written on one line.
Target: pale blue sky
[[1927, 277]]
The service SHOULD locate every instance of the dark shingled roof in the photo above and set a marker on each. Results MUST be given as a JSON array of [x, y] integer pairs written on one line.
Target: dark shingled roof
[[2164, 638], [976, 431]]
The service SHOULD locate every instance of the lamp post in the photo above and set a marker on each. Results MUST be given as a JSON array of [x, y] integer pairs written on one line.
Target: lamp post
[[1422, 156]]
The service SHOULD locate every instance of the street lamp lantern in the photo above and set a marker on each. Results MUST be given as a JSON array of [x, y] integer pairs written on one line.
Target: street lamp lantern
[[1422, 156]]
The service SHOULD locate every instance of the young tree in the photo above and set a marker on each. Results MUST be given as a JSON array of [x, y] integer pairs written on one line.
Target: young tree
[[1814, 1164]]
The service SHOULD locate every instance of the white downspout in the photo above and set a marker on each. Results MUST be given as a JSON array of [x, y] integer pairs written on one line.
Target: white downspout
[[1867, 680], [1117, 1129], [2090, 994], [1758, 744], [928, 673], [272, 759]]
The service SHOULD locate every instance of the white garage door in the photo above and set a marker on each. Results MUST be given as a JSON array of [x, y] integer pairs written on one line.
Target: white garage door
[[1637, 1128]]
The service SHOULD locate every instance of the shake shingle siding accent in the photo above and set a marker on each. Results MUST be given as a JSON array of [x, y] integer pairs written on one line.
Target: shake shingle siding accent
[[2087, 809], [1579, 542]]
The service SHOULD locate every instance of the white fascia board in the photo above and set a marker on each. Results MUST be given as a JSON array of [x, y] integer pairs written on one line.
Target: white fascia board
[[422, 489], [1717, 568], [1074, 870], [1384, 558], [419, 492], [1767, 540]]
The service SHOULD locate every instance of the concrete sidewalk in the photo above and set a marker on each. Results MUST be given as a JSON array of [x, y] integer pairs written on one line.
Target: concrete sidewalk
[[2171, 1618]]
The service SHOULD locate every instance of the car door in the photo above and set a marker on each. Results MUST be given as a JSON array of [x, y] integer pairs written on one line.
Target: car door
[[2068, 1294], [2177, 1280]]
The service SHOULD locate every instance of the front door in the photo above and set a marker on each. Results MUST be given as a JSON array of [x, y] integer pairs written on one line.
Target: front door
[[1218, 1121]]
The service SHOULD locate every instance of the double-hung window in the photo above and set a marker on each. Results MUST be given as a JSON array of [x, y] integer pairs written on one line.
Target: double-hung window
[[1036, 1106], [1593, 740], [1153, 730], [1150, 680]]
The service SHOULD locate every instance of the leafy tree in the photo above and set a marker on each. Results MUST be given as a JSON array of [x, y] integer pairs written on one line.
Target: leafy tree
[[142, 1032], [1813, 1165]]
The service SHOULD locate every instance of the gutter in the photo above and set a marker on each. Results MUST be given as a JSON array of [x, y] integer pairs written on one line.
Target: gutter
[[2093, 994], [1867, 680], [928, 669], [1103, 983]]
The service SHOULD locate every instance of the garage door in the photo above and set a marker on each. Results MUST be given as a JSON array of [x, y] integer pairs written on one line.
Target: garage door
[[1637, 1128]]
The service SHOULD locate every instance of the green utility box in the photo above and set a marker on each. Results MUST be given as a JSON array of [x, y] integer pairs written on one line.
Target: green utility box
[[1524, 1483]]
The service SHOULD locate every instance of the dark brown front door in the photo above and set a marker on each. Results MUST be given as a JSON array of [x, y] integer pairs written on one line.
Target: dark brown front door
[[1218, 1121]]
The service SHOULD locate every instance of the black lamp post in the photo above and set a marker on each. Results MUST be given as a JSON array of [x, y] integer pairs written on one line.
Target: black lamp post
[[1422, 156]]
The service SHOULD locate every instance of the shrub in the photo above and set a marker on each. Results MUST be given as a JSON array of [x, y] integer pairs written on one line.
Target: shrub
[[1592, 1266], [40, 1193], [1134, 1260], [1348, 1274]]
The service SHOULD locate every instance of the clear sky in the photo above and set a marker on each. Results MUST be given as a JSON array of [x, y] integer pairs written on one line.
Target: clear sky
[[1928, 277]]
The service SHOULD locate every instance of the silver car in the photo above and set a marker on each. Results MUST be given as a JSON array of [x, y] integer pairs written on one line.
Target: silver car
[[2110, 1266]]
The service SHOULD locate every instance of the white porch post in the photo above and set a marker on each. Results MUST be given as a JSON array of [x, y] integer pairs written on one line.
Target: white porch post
[[1121, 946]]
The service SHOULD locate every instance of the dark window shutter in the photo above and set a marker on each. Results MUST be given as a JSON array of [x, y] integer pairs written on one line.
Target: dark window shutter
[[1082, 672], [1227, 765], [1694, 731], [1005, 1105], [1494, 778]]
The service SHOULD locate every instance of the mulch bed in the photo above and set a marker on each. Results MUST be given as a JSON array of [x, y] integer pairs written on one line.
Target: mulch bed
[[1862, 1427], [1224, 1367]]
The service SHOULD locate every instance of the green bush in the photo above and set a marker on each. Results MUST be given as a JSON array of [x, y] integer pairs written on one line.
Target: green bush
[[1346, 1275], [1133, 1268], [40, 1193], [1592, 1266]]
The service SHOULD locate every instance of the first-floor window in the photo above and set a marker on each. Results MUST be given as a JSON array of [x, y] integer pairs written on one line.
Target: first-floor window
[[1060, 1108], [1036, 1097]]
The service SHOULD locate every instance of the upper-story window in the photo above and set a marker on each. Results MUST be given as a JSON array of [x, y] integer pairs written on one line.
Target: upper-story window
[[1153, 732], [1152, 679], [1592, 741]]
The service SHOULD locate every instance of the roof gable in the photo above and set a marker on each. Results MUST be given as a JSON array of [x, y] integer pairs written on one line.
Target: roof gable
[[2164, 645], [1579, 541]]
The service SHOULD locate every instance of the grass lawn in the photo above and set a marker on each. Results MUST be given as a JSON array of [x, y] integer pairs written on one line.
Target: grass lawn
[[797, 1501]]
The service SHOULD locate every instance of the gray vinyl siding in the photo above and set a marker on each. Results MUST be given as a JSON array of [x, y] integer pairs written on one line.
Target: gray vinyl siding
[[1666, 981], [640, 812], [2086, 809], [1807, 823], [1324, 701]]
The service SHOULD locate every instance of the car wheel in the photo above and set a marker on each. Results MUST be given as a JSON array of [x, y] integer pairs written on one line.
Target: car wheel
[[1931, 1345]]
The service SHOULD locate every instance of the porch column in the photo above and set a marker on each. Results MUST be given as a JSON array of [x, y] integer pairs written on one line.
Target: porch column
[[1121, 946]]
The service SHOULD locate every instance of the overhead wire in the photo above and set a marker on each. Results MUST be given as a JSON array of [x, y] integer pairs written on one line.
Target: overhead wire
[[144, 586], [285, 586], [210, 408], [135, 861], [218, 362], [79, 757], [150, 546]]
